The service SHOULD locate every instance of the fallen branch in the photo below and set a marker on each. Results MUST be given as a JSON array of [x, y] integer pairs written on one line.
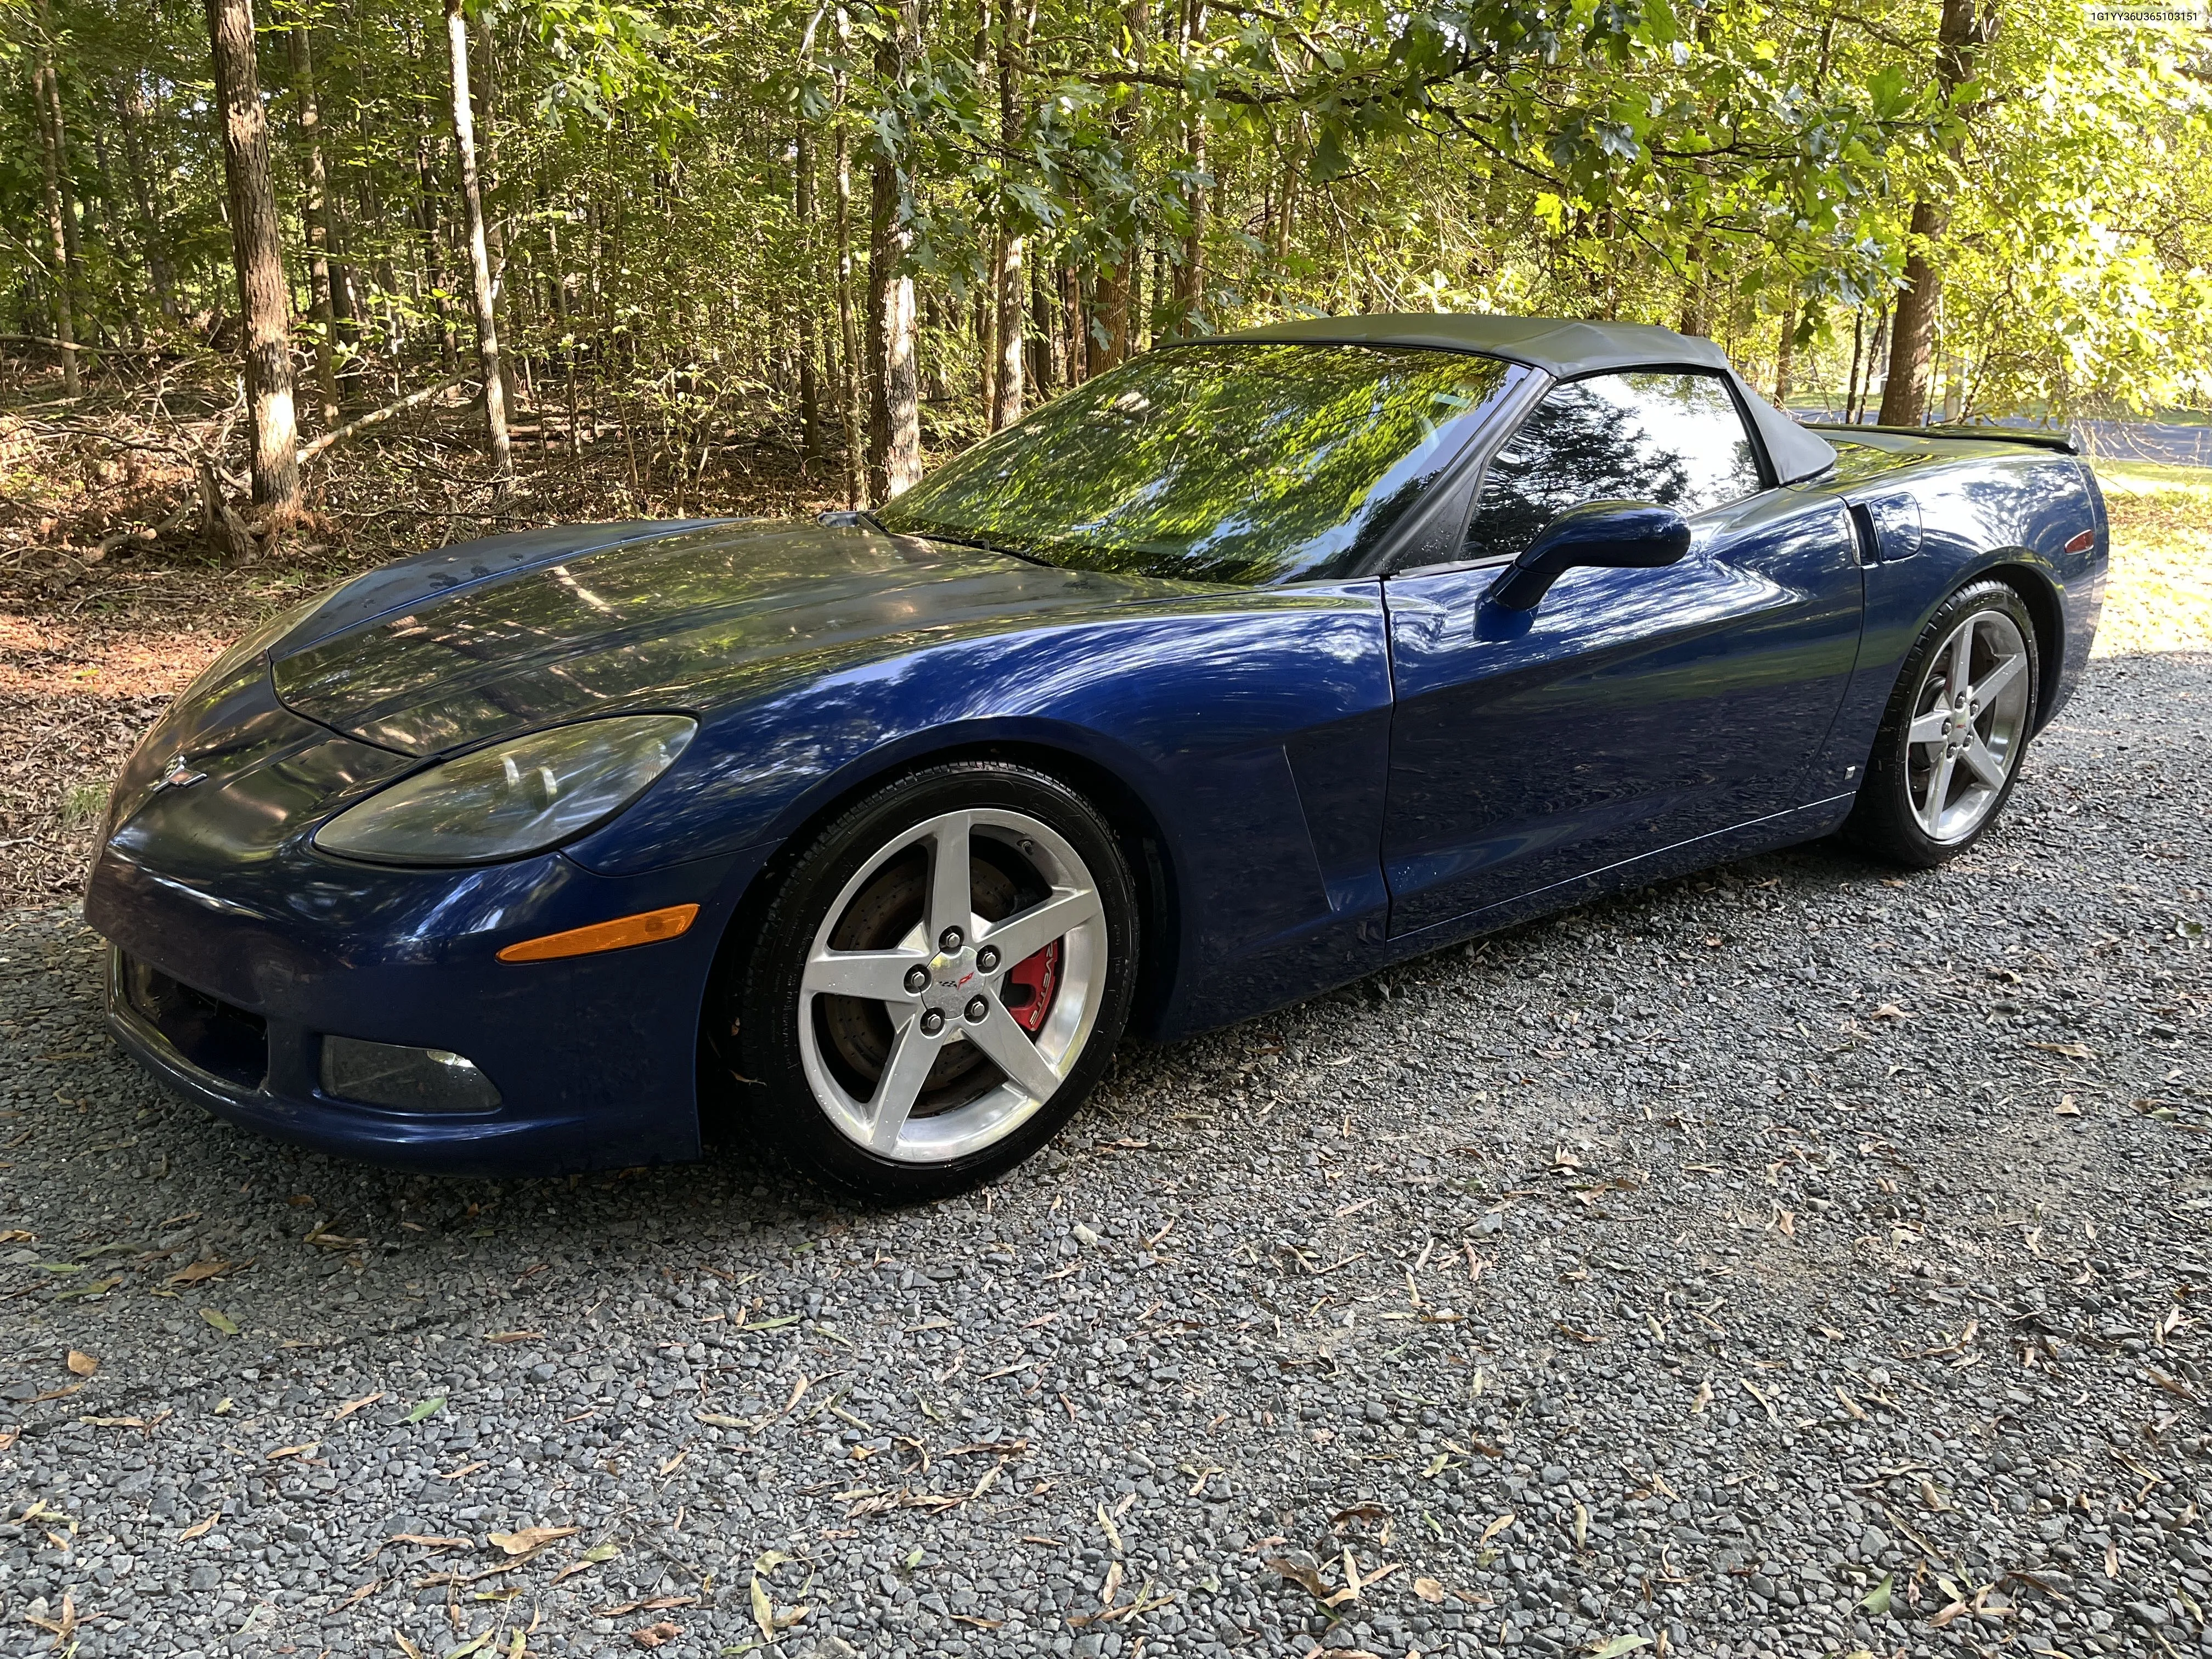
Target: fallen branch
[[413, 400], [87, 345]]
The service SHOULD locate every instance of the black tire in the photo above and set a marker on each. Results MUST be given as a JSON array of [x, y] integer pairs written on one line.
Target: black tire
[[1886, 821], [760, 1004]]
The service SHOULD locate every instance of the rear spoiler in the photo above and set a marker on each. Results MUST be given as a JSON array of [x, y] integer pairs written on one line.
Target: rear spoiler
[[2068, 442]]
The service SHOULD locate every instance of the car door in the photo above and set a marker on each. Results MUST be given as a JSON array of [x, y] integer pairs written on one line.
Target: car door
[[1632, 709]]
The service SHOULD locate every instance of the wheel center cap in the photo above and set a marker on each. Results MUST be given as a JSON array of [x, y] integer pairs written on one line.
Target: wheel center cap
[[953, 978]]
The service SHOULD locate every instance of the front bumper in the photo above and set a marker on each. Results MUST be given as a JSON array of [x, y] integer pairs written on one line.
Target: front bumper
[[594, 1058]]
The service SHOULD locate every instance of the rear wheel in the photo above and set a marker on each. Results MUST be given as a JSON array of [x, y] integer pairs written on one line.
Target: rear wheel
[[1956, 730], [941, 980]]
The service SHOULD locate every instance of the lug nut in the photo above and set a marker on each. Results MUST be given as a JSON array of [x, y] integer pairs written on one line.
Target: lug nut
[[976, 1009], [988, 958], [932, 1023], [917, 979], [948, 940]]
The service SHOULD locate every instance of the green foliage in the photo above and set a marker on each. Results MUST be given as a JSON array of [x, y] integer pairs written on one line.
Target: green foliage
[[1726, 162]]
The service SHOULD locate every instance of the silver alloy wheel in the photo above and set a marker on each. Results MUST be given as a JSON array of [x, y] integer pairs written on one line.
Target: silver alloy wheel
[[1969, 724], [936, 989]]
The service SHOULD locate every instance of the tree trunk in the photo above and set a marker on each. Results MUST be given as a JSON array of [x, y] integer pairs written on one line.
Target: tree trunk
[[1009, 281], [313, 213], [848, 337], [256, 246], [894, 408], [484, 71], [130, 117], [64, 324], [464, 141], [1785, 353], [1912, 329], [1858, 349], [1190, 277], [803, 208], [1043, 365], [73, 263]]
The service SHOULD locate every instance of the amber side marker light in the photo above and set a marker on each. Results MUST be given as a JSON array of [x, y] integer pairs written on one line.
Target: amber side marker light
[[647, 927]]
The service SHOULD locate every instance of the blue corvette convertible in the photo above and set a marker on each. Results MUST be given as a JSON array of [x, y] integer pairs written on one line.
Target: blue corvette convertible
[[1241, 671]]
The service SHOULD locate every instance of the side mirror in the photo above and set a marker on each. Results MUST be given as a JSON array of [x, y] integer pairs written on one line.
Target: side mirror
[[1618, 535]]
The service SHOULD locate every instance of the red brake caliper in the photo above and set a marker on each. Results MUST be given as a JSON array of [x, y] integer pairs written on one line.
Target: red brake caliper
[[1029, 986]]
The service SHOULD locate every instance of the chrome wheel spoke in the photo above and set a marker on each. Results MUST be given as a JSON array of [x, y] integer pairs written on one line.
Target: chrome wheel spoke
[[1995, 682], [877, 975], [1001, 1038], [900, 1086], [1930, 727], [1985, 765], [1025, 934], [1959, 672], [950, 903], [1939, 794]]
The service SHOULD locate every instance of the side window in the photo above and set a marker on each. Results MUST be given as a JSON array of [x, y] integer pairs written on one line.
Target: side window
[[1664, 436]]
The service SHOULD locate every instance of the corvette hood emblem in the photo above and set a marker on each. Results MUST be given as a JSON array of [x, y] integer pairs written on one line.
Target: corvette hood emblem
[[180, 774]]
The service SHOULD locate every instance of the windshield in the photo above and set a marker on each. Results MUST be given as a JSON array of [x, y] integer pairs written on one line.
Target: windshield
[[1245, 463]]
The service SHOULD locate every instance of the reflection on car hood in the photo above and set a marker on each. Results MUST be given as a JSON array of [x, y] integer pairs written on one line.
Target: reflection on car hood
[[694, 619]]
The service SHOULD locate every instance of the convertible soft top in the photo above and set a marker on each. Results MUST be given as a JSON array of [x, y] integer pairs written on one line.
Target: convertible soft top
[[1563, 348]]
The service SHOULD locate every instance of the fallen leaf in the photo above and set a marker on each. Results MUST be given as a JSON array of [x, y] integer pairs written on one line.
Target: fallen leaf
[[82, 1364], [720, 1420], [1704, 1397], [201, 1528], [1498, 1526], [1428, 1590], [1876, 1601], [653, 1636], [1890, 1011], [532, 1538], [514, 1336], [590, 1559], [2066, 1107], [300, 1450], [353, 1406], [198, 1272], [436, 1402], [222, 1322], [1304, 1576], [1614, 1646]]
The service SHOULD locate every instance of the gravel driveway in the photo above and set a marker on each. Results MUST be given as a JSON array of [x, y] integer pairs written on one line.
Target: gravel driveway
[[1795, 1260]]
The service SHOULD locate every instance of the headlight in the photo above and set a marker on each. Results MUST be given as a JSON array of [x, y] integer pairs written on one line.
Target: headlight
[[513, 798]]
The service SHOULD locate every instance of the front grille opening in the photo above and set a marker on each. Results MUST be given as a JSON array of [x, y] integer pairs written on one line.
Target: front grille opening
[[224, 1042]]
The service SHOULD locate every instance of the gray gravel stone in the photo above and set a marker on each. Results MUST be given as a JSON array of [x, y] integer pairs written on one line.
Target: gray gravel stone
[[1685, 1266]]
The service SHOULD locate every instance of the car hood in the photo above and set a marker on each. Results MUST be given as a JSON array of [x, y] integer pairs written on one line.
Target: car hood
[[693, 618]]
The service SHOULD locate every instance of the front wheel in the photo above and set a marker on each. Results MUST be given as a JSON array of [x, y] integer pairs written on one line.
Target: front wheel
[[939, 981], [1956, 730]]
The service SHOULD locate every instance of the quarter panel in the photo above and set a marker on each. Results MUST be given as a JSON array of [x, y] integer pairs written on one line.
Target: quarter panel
[[1994, 505]]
